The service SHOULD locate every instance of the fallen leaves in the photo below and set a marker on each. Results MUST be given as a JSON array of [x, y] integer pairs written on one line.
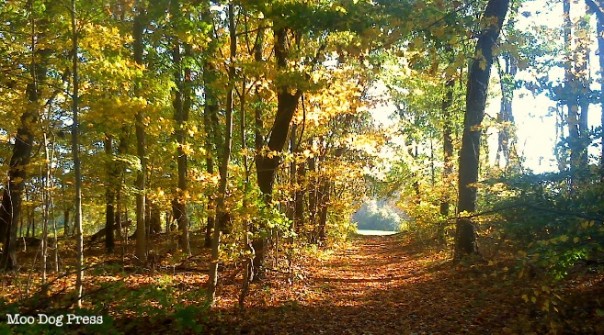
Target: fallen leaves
[[373, 285]]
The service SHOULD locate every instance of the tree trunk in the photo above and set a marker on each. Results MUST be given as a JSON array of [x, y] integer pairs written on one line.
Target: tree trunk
[[581, 63], [211, 139], [299, 197], [291, 205], [221, 209], [266, 167], [75, 136], [182, 105], [141, 238], [259, 141], [109, 195], [447, 143], [313, 194], [10, 209], [505, 139], [570, 94], [65, 222], [122, 149], [324, 191], [476, 96], [45, 211], [248, 274]]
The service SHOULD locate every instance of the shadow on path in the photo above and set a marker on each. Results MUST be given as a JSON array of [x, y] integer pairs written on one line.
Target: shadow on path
[[380, 286]]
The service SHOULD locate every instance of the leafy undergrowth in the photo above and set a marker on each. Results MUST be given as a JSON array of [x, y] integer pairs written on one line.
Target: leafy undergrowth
[[376, 285]]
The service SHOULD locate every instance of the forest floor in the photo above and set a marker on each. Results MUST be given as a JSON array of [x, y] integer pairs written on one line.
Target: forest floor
[[386, 285], [372, 285]]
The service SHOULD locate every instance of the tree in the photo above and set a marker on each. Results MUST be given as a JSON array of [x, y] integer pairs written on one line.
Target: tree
[[141, 231], [225, 157], [75, 140], [476, 96], [575, 91], [182, 105], [10, 211], [112, 181]]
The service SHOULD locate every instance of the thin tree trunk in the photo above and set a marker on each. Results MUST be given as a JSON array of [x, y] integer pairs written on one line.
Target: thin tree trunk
[[248, 274], [447, 145], [110, 195], [210, 169], [259, 141], [324, 192], [31, 223], [45, 211], [570, 89], [581, 64], [141, 236], [476, 96], [212, 138], [65, 223], [122, 149], [221, 210], [505, 117], [313, 194], [181, 104], [75, 135]]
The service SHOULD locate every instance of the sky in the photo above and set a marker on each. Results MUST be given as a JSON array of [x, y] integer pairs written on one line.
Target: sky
[[535, 124]]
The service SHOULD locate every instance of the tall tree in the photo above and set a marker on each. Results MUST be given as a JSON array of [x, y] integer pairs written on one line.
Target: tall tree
[[447, 143], [10, 210], [288, 96], [75, 147], [112, 175], [225, 157], [210, 118], [506, 136], [476, 96], [576, 88], [141, 145], [181, 104]]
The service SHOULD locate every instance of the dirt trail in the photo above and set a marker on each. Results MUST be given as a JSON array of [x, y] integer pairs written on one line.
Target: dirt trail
[[378, 286]]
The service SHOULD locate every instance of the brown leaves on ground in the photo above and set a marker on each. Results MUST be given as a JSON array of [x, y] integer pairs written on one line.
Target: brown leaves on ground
[[381, 285], [374, 285]]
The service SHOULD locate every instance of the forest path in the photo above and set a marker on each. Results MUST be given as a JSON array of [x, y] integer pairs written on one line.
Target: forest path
[[379, 285]]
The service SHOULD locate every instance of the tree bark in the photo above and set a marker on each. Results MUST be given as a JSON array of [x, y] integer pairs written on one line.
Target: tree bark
[[248, 274], [75, 136], [141, 146], [181, 105], [476, 96], [266, 166], [259, 141], [581, 63], [110, 195], [313, 193], [505, 138], [221, 209], [570, 95], [211, 143], [122, 149], [10, 209], [447, 143], [65, 222], [324, 192]]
